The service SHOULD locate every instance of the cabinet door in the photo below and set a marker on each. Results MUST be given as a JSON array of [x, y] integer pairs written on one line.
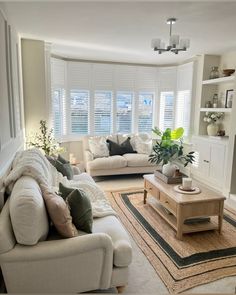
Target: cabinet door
[[202, 157], [217, 163]]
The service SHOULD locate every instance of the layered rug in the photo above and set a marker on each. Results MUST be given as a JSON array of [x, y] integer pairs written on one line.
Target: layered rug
[[198, 259]]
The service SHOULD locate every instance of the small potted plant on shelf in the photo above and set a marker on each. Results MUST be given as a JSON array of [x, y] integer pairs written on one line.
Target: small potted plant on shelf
[[211, 118], [168, 149]]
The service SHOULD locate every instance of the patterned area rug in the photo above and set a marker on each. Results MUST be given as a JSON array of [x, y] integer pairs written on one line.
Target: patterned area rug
[[198, 259]]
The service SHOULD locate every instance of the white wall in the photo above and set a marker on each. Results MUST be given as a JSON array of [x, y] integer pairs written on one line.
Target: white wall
[[34, 84], [11, 114]]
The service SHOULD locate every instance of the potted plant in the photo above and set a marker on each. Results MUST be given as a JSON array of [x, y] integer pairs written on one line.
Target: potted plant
[[169, 148], [45, 141], [212, 118]]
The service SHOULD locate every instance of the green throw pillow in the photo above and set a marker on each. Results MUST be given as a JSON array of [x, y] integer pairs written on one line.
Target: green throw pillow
[[62, 160], [64, 168], [80, 207], [64, 190], [80, 210]]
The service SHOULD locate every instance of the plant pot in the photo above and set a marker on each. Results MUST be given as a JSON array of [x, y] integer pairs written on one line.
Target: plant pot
[[212, 129], [169, 169]]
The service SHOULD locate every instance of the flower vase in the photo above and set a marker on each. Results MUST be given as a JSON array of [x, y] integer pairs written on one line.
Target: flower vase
[[212, 129], [169, 169]]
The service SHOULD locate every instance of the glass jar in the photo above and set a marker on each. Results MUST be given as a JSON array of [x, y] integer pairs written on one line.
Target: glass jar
[[215, 101], [208, 104], [214, 74]]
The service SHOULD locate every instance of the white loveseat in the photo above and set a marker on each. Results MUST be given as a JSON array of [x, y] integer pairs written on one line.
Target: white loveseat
[[130, 163], [87, 262]]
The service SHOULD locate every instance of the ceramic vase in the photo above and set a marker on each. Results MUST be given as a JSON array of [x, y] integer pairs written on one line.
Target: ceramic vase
[[212, 129], [169, 169]]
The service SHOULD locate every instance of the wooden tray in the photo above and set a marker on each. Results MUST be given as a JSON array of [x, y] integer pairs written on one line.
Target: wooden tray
[[169, 180]]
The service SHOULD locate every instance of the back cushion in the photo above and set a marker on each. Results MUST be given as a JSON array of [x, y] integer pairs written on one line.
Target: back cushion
[[28, 213]]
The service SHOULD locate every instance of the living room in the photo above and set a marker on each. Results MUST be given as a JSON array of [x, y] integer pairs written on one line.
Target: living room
[[118, 117]]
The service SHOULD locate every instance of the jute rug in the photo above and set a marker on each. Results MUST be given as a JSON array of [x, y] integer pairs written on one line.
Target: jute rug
[[198, 259]]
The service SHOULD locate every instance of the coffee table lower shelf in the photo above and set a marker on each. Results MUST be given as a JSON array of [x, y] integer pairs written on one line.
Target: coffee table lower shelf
[[172, 221]]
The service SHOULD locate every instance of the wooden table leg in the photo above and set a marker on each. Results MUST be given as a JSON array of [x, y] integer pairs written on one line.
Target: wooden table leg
[[220, 216], [180, 222], [145, 196]]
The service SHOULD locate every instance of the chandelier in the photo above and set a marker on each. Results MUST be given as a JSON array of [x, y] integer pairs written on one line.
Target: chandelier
[[175, 43]]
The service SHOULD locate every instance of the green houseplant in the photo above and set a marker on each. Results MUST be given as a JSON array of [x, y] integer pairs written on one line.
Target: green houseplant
[[169, 148], [45, 141]]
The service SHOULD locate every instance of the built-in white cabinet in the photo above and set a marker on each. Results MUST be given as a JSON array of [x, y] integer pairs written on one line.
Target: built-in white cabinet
[[210, 161]]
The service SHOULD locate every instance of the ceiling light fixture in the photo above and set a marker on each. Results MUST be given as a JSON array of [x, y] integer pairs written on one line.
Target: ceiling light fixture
[[175, 43]]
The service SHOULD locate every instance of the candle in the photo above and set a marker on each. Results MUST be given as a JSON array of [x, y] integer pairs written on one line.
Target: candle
[[187, 183]]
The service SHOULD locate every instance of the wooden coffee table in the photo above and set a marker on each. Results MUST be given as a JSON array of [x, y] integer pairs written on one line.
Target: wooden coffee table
[[175, 207]]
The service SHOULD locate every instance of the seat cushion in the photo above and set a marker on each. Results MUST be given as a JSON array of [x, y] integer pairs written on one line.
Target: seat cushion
[[112, 162], [111, 226], [28, 212], [137, 160]]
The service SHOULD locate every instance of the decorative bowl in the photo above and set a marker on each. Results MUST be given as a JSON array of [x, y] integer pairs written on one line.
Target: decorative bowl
[[228, 72]]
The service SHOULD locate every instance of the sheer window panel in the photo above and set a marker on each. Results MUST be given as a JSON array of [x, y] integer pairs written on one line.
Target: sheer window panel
[[166, 110], [145, 112], [79, 109], [124, 105], [103, 112]]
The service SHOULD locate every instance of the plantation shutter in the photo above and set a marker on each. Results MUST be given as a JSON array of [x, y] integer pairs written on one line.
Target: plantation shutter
[[184, 97], [124, 82], [103, 98], [166, 110], [167, 88], [78, 104], [145, 112], [58, 92]]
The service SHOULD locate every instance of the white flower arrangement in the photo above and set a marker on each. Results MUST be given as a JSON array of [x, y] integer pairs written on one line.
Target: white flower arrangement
[[212, 117]]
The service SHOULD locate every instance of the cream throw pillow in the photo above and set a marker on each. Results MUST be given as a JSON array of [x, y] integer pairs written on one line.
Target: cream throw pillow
[[98, 146], [143, 146]]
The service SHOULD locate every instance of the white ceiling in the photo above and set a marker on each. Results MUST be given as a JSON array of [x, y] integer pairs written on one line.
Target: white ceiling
[[122, 31]]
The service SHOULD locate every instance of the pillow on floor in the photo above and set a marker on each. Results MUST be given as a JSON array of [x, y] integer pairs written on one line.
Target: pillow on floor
[[59, 213], [120, 149], [80, 207]]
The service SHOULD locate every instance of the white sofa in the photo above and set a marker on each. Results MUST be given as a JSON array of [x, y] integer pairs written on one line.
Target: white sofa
[[87, 262], [132, 163]]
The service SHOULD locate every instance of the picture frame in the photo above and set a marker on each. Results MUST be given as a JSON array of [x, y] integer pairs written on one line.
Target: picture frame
[[229, 98]]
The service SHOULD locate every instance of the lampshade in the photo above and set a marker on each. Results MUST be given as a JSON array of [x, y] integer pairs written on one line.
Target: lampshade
[[184, 43], [156, 43], [174, 40]]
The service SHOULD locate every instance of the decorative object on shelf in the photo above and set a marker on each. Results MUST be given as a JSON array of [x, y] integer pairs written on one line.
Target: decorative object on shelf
[[212, 118], [45, 141], [208, 104], [221, 133], [214, 74], [229, 98], [228, 72], [215, 100], [175, 43], [168, 149]]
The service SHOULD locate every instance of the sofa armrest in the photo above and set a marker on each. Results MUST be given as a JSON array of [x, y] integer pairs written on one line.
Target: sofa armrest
[[80, 257], [88, 156]]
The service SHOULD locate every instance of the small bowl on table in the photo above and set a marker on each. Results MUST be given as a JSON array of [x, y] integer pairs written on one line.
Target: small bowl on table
[[228, 72]]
